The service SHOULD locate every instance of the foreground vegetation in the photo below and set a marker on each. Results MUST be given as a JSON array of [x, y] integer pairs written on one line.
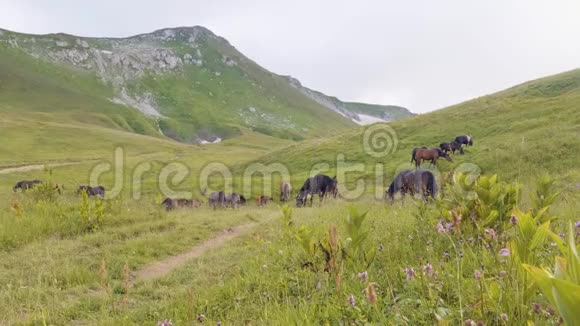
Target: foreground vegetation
[[470, 255], [497, 249]]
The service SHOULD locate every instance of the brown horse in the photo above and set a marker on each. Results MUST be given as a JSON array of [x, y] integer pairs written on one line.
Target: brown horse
[[262, 201], [429, 154]]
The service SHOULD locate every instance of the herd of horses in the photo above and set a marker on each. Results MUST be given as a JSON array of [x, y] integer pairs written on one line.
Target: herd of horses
[[420, 154], [406, 182], [29, 184]]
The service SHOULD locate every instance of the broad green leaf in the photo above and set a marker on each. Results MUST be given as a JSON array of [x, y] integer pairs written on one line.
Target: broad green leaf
[[560, 268], [543, 280], [567, 297], [572, 257], [491, 217], [540, 236], [541, 213]]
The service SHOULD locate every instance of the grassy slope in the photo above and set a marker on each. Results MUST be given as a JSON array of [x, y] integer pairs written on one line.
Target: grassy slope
[[31, 86], [524, 131], [214, 103], [521, 132], [387, 112], [50, 113], [197, 101]]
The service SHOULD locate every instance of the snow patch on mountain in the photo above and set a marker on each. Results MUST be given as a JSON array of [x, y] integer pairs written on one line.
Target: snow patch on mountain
[[365, 119]]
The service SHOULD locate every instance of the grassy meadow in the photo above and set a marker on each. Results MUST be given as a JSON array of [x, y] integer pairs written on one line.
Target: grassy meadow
[[469, 257]]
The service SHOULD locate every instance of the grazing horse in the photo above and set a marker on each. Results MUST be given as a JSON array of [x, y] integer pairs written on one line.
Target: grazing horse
[[425, 183], [92, 191], [429, 154], [401, 184], [318, 184], [232, 200], [262, 201], [285, 190], [191, 203], [217, 199], [173, 203], [412, 182], [451, 147], [26, 184], [464, 140], [415, 152], [333, 188], [169, 203]]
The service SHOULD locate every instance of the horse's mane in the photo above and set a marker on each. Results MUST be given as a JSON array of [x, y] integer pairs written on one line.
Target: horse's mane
[[397, 183]]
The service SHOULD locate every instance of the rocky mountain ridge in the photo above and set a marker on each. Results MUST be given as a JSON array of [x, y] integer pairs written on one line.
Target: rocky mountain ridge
[[191, 81]]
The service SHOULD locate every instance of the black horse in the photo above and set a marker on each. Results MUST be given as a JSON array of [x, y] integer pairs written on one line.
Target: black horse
[[242, 200], [333, 188], [92, 191], [418, 181], [232, 200], [217, 199], [26, 184], [400, 184], [451, 146], [319, 184], [464, 140]]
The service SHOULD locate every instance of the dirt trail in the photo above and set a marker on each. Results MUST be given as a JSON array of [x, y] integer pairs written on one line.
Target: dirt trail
[[162, 268], [32, 167]]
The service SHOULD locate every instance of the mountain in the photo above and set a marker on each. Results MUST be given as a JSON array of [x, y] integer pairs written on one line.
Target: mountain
[[371, 113], [359, 113], [186, 83], [521, 132]]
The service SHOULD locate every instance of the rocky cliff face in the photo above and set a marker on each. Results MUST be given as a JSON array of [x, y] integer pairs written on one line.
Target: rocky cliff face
[[193, 83], [329, 102], [119, 61]]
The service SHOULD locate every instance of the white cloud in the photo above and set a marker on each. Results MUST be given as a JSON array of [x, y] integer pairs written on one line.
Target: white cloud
[[419, 54]]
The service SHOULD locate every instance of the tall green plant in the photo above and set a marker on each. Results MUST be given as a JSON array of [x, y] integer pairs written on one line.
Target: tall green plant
[[357, 247], [562, 285], [92, 216], [486, 201], [544, 197]]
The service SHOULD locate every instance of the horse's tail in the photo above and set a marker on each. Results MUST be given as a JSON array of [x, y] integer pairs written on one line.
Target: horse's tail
[[391, 191], [413, 155], [431, 184]]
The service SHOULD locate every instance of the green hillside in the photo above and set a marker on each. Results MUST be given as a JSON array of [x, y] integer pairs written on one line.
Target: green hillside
[[126, 260], [186, 84], [526, 130]]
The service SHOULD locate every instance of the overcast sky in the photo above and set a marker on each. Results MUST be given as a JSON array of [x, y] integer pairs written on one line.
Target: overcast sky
[[423, 55]]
